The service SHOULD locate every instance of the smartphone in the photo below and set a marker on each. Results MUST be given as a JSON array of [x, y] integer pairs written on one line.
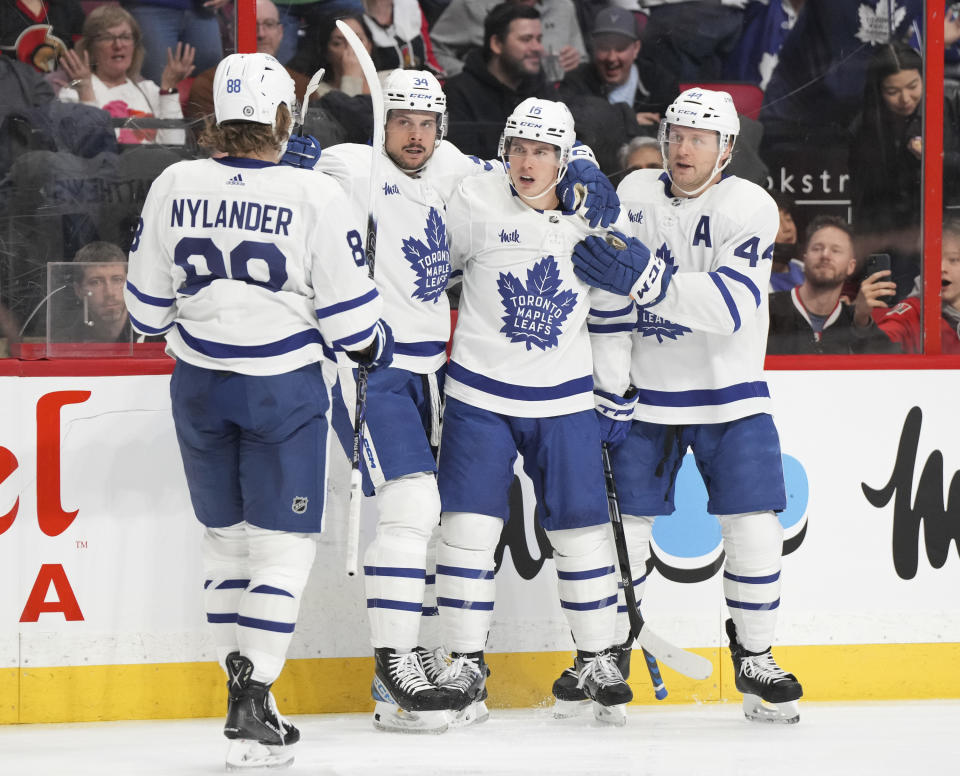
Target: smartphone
[[875, 263]]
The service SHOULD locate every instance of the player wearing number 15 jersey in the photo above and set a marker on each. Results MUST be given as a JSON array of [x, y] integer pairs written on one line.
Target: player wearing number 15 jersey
[[248, 269]]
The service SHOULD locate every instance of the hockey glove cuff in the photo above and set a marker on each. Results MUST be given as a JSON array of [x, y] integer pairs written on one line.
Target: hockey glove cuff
[[379, 353], [583, 185], [302, 152], [615, 415], [615, 263], [652, 284]]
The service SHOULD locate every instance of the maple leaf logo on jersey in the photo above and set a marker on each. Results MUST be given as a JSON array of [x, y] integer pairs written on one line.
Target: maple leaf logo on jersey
[[876, 24], [430, 260], [651, 325], [535, 312]]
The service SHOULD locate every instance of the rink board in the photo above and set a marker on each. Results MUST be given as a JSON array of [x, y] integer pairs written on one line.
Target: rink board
[[99, 560]]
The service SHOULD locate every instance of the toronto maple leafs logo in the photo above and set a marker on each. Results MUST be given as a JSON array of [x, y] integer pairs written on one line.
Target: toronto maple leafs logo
[[535, 312], [430, 260], [876, 24], [651, 325]]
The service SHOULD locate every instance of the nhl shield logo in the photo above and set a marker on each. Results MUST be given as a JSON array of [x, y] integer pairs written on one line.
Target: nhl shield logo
[[299, 504]]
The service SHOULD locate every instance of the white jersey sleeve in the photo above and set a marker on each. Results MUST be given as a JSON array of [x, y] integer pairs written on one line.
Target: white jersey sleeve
[[698, 354], [250, 267], [521, 345]]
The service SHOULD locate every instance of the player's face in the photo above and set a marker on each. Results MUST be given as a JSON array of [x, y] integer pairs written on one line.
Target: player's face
[[337, 46], [112, 52], [950, 270], [645, 158], [269, 29], [902, 92], [612, 57], [533, 166], [788, 228], [521, 50], [102, 287], [829, 259], [410, 137], [691, 155]]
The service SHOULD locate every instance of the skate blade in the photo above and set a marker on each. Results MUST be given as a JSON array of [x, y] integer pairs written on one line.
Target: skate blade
[[610, 715], [569, 709], [393, 719], [758, 710], [474, 714], [245, 754]]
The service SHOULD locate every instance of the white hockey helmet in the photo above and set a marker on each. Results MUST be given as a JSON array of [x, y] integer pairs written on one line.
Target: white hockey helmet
[[250, 87], [416, 90], [702, 109], [543, 120]]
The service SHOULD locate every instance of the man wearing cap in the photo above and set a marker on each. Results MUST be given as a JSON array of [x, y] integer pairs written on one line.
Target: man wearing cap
[[615, 73]]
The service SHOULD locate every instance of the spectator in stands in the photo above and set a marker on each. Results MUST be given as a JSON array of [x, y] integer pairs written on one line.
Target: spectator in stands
[[331, 51], [105, 72], [301, 19], [460, 30], [496, 79], [165, 24], [38, 32], [400, 36], [269, 35], [904, 323], [787, 269], [615, 73], [641, 153], [691, 38], [812, 318], [886, 160], [101, 314]]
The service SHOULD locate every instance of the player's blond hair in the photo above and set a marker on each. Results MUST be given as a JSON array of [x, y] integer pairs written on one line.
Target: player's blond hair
[[246, 138]]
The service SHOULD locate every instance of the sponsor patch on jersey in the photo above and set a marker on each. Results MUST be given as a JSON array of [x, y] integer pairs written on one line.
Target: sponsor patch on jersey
[[236, 180], [299, 505], [430, 260], [389, 189], [510, 237], [635, 218], [535, 312]]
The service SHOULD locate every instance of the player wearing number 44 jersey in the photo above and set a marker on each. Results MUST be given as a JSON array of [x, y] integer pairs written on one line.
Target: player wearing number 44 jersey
[[247, 268], [691, 346]]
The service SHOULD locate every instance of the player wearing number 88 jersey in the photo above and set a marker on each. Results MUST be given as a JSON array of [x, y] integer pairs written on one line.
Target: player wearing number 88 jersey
[[248, 268]]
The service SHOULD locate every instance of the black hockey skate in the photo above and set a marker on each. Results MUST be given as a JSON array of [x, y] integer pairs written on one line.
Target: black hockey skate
[[258, 732], [434, 662], [770, 694], [466, 677], [601, 681], [407, 701], [570, 697]]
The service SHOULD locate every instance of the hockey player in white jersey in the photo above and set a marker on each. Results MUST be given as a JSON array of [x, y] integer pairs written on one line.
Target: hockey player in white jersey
[[248, 269], [692, 345], [416, 177], [520, 380]]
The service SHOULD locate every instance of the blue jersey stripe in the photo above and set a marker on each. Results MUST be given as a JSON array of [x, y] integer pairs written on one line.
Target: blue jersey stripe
[[394, 571], [144, 329], [741, 278], [360, 336], [223, 350], [458, 571], [269, 590], [612, 313], [705, 396], [587, 574], [459, 603], [727, 298], [587, 606], [609, 328], [521, 392], [350, 304], [156, 301], [387, 603], [432, 348], [267, 625], [752, 606], [752, 580]]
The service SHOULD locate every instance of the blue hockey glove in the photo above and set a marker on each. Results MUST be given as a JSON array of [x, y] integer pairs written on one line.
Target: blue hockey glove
[[614, 264], [301, 152], [584, 185], [615, 414], [380, 352]]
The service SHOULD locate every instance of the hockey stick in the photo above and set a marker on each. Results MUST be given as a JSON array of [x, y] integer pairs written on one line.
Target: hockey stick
[[307, 94], [654, 646], [370, 250], [626, 577]]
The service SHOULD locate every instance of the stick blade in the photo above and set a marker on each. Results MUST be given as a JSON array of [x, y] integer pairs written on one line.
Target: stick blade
[[680, 660]]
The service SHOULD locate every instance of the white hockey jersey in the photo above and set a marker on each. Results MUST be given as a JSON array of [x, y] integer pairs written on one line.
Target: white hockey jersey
[[412, 258], [697, 355], [521, 345], [250, 267]]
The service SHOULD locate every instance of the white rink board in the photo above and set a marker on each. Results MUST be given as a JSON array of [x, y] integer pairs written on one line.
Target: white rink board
[[131, 555]]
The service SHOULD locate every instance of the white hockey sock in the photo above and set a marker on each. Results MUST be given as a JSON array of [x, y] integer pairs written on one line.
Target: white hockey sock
[[394, 565], [226, 577], [279, 566], [430, 615], [637, 532], [753, 544], [465, 582], [587, 583]]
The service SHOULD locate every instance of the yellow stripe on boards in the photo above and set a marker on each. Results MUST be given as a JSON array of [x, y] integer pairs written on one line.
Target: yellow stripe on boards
[[517, 680]]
